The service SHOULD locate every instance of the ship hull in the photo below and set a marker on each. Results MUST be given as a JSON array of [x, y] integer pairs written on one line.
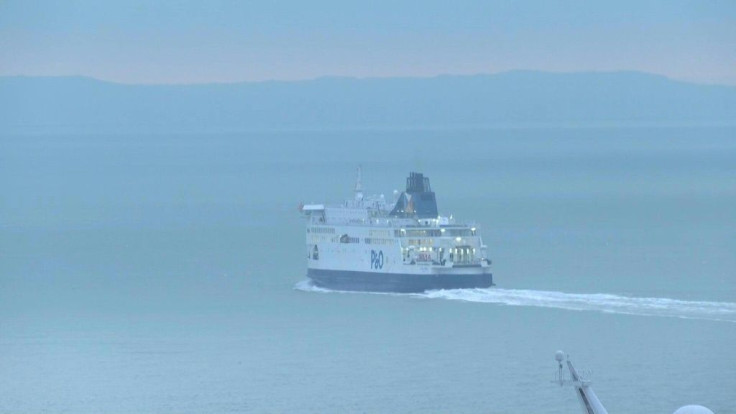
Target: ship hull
[[396, 282]]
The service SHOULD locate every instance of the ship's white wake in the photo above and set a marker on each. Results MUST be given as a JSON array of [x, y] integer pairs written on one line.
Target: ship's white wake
[[597, 302]]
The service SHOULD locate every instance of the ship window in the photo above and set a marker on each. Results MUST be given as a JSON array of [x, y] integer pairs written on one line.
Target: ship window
[[458, 232]]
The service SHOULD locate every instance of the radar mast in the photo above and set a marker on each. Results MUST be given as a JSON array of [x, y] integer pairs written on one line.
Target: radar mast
[[588, 400], [359, 184]]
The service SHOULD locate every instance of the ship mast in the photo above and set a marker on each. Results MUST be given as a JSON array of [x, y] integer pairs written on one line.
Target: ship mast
[[589, 402], [359, 185]]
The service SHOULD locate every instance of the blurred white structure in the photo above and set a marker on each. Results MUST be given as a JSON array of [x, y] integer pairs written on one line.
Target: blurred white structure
[[693, 409], [589, 401]]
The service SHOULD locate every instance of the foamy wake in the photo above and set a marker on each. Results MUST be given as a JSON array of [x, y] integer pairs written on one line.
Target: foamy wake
[[598, 302]]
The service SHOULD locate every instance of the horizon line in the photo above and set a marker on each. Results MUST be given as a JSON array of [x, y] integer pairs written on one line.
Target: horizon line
[[368, 78]]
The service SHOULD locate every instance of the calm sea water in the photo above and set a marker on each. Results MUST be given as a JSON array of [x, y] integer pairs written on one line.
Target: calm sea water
[[164, 273]]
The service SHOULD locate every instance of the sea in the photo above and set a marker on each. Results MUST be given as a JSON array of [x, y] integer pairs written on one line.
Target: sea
[[164, 272]]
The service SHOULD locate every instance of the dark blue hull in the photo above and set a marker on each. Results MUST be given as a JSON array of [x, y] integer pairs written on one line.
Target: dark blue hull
[[396, 282]]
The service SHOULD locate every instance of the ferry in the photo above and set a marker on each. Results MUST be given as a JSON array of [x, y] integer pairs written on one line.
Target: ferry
[[405, 246]]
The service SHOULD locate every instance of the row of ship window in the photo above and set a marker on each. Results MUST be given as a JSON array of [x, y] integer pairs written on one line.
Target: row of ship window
[[404, 232], [321, 230], [369, 240], [384, 242], [348, 239], [434, 232]]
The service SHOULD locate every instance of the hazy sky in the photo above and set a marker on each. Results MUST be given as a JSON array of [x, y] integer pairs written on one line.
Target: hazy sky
[[220, 41]]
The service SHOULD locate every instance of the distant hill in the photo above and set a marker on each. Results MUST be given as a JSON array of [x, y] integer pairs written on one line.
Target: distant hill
[[510, 98]]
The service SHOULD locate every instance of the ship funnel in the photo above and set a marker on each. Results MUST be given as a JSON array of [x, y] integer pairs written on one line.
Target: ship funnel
[[417, 183], [418, 200]]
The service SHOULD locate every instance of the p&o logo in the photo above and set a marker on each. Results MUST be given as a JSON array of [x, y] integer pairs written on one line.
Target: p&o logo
[[376, 259]]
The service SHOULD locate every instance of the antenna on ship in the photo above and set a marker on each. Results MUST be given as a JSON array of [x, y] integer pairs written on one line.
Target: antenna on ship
[[589, 402], [359, 184]]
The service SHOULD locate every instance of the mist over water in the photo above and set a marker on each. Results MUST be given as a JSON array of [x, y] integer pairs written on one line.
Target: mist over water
[[157, 273]]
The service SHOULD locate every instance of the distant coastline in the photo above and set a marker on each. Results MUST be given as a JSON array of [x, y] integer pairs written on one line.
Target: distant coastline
[[504, 100]]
